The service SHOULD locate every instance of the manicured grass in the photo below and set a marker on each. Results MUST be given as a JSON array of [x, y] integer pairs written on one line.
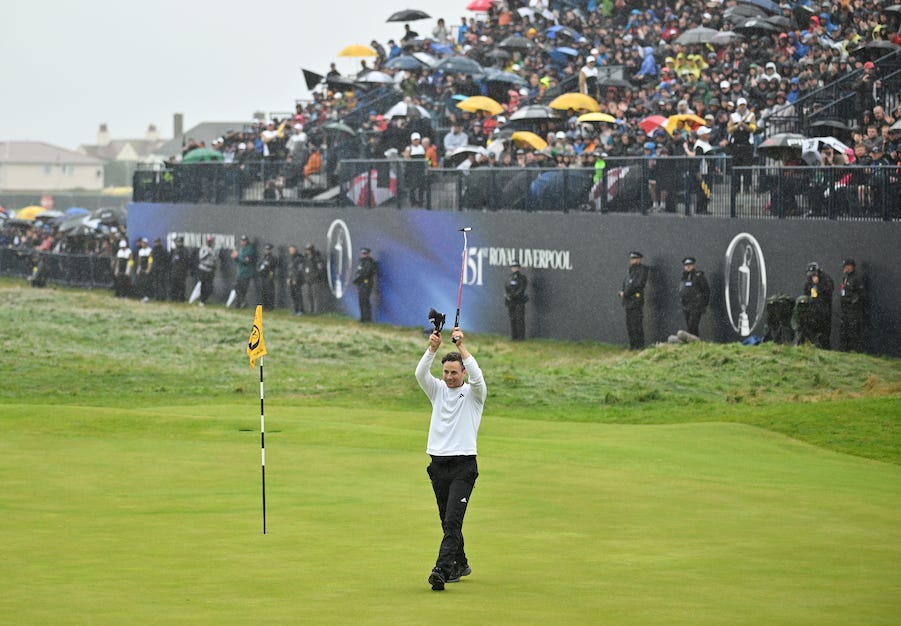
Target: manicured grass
[[612, 490]]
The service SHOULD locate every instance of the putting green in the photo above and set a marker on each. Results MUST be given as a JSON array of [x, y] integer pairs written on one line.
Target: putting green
[[154, 516]]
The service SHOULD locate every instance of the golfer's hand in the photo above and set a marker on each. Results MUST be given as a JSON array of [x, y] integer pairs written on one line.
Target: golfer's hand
[[434, 341], [457, 336]]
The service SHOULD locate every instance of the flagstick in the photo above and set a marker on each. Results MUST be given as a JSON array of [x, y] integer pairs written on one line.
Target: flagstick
[[263, 444]]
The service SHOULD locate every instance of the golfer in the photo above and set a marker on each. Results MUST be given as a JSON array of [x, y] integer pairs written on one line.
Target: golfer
[[456, 414]]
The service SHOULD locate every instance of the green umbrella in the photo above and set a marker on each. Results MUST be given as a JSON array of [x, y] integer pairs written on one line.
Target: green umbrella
[[202, 155], [340, 127]]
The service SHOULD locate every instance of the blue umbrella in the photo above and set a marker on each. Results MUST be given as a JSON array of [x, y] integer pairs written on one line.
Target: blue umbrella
[[553, 31], [405, 62], [459, 65], [566, 50], [76, 210], [442, 48], [767, 5]]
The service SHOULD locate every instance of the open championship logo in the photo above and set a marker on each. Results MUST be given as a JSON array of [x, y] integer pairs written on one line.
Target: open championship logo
[[340, 262], [745, 274]]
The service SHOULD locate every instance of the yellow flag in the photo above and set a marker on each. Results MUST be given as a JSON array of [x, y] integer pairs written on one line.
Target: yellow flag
[[256, 347]]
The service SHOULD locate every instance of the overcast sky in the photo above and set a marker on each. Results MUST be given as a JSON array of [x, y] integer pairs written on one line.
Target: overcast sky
[[67, 67]]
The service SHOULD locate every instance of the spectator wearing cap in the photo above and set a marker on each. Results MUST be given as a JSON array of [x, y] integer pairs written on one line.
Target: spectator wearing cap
[[632, 296], [365, 279], [456, 138], [266, 270], [853, 302], [245, 257], [819, 287], [143, 268], [123, 263], [515, 298], [179, 268], [207, 261], [742, 126], [588, 77], [694, 295], [415, 169]]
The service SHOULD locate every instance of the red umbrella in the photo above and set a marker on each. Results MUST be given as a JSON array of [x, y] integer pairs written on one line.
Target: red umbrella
[[651, 122], [480, 5]]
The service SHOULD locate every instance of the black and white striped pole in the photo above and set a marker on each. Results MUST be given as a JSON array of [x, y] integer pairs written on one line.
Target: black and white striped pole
[[263, 444]]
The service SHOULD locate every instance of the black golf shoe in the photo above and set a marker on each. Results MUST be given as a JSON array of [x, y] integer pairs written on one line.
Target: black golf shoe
[[458, 572], [437, 580]]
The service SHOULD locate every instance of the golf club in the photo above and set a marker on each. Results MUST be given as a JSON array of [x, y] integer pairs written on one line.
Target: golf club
[[463, 230]]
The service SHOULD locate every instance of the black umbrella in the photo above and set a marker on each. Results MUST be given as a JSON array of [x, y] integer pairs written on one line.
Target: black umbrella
[[875, 49], [699, 35], [614, 83], [726, 37], [535, 112], [405, 62], [498, 54], [780, 21], [831, 128], [408, 15], [744, 10], [756, 26], [494, 75], [312, 78], [113, 216], [516, 42], [341, 82], [779, 144], [459, 65]]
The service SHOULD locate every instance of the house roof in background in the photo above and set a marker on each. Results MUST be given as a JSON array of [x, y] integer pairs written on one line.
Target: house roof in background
[[38, 152], [205, 132], [113, 150]]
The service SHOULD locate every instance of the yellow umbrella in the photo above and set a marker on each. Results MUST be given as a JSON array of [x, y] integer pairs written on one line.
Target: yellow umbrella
[[358, 50], [29, 212], [597, 117], [693, 121], [481, 103], [529, 138], [574, 100]]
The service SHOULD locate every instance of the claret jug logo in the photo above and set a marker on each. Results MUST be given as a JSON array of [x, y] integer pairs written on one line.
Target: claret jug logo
[[340, 260], [745, 274]]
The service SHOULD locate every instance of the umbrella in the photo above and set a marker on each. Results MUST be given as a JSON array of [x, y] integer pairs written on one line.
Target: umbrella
[[376, 77], [895, 126], [780, 20], [693, 120], [481, 6], [535, 112], [49, 215], [498, 54], [767, 5], [72, 211], [597, 117], [408, 15], [835, 144], [339, 127], [516, 42], [756, 26], [651, 122], [833, 128], [554, 31], [780, 144], [110, 215], [699, 35], [726, 37], [358, 50], [29, 212], [202, 155], [405, 62], [528, 138], [895, 8], [401, 108], [458, 65], [744, 11], [426, 58], [875, 49], [79, 225], [461, 154], [481, 103], [493, 75], [574, 100], [614, 83]]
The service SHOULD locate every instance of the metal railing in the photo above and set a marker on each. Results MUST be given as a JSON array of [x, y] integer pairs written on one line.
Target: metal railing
[[92, 271]]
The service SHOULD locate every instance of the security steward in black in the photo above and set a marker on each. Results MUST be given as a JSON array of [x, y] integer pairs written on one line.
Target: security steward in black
[[515, 297], [294, 268], [364, 279], [266, 270], [853, 299], [819, 286], [694, 292], [180, 263], [633, 297]]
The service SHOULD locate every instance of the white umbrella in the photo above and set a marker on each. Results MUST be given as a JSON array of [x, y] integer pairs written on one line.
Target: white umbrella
[[376, 77], [400, 110]]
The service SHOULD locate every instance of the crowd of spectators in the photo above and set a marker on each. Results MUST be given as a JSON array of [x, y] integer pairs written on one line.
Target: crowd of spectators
[[570, 45]]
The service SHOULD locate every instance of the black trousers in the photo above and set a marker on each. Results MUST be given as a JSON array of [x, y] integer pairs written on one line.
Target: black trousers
[[692, 321], [453, 478], [517, 313], [851, 333], [363, 294], [635, 327], [206, 285]]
